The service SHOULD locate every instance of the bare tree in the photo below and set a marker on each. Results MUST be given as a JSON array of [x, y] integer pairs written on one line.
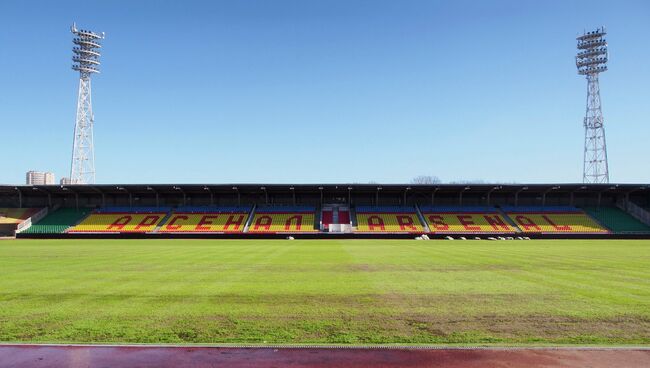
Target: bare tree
[[425, 179], [470, 181]]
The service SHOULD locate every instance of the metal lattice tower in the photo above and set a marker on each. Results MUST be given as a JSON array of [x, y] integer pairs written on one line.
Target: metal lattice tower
[[591, 60], [86, 62]]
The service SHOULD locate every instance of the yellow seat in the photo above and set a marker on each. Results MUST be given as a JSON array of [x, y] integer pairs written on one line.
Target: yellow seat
[[205, 222], [118, 223], [463, 222], [269, 222], [388, 222], [570, 222]]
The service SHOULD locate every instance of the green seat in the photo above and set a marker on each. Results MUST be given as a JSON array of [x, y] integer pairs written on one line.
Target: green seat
[[617, 220], [58, 221]]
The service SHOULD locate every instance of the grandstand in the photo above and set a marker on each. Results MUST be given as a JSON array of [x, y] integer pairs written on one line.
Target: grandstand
[[309, 210]]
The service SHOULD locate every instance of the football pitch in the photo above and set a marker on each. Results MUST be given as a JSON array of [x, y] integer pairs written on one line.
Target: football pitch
[[326, 291]]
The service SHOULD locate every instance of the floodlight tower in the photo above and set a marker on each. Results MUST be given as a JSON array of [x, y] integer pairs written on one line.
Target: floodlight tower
[[591, 60], [86, 61]]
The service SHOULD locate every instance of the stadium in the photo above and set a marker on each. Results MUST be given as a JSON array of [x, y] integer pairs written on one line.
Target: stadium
[[163, 268], [325, 275], [328, 211]]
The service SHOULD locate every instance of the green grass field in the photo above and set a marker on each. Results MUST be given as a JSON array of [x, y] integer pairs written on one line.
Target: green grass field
[[322, 291]]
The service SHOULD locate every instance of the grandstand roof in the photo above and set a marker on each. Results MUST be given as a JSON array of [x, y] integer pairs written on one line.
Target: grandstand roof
[[311, 188]]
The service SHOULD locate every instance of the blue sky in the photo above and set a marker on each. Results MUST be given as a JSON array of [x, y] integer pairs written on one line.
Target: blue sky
[[324, 91]]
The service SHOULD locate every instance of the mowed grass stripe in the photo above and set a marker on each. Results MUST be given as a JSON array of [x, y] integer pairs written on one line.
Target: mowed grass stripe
[[338, 291]]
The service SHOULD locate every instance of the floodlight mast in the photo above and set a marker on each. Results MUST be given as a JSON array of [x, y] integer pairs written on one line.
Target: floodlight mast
[[591, 60], [86, 61]]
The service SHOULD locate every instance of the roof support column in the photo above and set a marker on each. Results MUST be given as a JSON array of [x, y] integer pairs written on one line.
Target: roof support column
[[405, 192], [350, 196], [238, 195], [183, 193], [433, 196], [517, 195], [101, 193], [20, 197], [600, 195], [545, 192], [321, 196], [460, 196], [266, 196], [155, 192], [490, 192], [211, 195]]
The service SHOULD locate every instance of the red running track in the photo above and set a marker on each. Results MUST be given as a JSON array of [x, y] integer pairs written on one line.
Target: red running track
[[52, 356]]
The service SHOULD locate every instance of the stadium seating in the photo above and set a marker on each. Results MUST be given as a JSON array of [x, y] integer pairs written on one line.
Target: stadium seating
[[553, 219], [390, 219], [466, 220], [617, 220], [136, 220], [278, 219], [206, 220], [16, 215], [58, 221], [297, 219]]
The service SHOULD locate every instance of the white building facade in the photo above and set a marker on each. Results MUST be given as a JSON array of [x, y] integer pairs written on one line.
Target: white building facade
[[39, 178]]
